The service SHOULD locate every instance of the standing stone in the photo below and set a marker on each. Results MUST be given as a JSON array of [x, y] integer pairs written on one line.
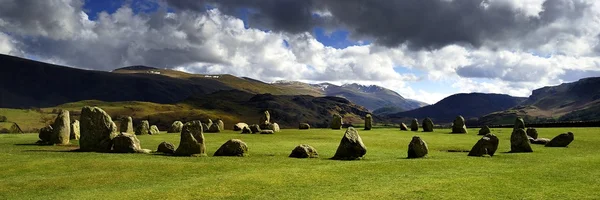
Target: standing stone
[[519, 141], [191, 142], [351, 146], [458, 126], [246, 130], [239, 126], [488, 144], [484, 130], [417, 148], [233, 147], [403, 127], [304, 126], [75, 130], [143, 128], [255, 128], [214, 128], [427, 125], [126, 143], [414, 125], [175, 127], [519, 123], [126, 125], [336, 123], [368, 122], [304, 151], [97, 130], [265, 120], [531, 132], [45, 135], [154, 130], [220, 124], [562, 140], [274, 127], [61, 128], [166, 148]]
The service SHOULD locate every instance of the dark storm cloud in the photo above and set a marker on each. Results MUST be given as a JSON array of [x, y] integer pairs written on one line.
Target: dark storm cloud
[[429, 24]]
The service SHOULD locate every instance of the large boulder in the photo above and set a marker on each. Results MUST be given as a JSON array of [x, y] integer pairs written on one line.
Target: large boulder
[[351, 146], [336, 122], [403, 127], [166, 148], [304, 151], [274, 127], [562, 140], [175, 127], [417, 148], [97, 130], [368, 122], [519, 123], [414, 125], [143, 128], [539, 140], [255, 128], [126, 125], [233, 147], [265, 120], [531, 132], [303, 126], [239, 126], [154, 130], [75, 130], [484, 130], [45, 135], [191, 142], [488, 144], [246, 130], [427, 125], [126, 143], [519, 141], [458, 126], [61, 128]]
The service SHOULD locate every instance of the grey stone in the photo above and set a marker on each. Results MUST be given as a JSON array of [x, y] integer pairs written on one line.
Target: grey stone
[[532, 132], [539, 140], [61, 128], [458, 126], [368, 122], [143, 128], [126, 125], [562, 140], [233, 147], [214, 128], [484, 130], [519, 142], [414, 125], [274, 127], [304, 151], [191, 142], [239, 126], [351, 146], [519, 123], [255, 128], [154, 130], [304, 126], [427, 125], [403, 127], [267, 132], [336, 122], [75, 130], [246, 130], [45, 135], [97, 130], [417, 148], [175, 127], [166, 148], [126, 143], [265, 120], [488, 144]]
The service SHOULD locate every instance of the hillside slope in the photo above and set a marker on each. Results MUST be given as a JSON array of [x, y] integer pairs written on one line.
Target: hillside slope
[[470, 105]]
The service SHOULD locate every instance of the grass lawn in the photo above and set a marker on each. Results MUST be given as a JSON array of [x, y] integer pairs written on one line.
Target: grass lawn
[[51, 172]]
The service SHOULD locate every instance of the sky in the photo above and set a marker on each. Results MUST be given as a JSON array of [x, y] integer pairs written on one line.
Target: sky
[[423, 49]]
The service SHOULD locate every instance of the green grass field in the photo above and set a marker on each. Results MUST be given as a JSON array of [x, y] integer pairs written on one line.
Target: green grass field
[[51, 172]]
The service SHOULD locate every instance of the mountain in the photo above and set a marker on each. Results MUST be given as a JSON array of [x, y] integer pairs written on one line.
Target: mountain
[[371, 97], [470, 105], [26, 83], [574, 101]]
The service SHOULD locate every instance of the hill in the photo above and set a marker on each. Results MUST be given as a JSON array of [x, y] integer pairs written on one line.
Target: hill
[[472, 105], [576, 101]]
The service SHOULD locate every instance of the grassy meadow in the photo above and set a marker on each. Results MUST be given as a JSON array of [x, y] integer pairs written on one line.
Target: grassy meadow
[[52, 172]]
